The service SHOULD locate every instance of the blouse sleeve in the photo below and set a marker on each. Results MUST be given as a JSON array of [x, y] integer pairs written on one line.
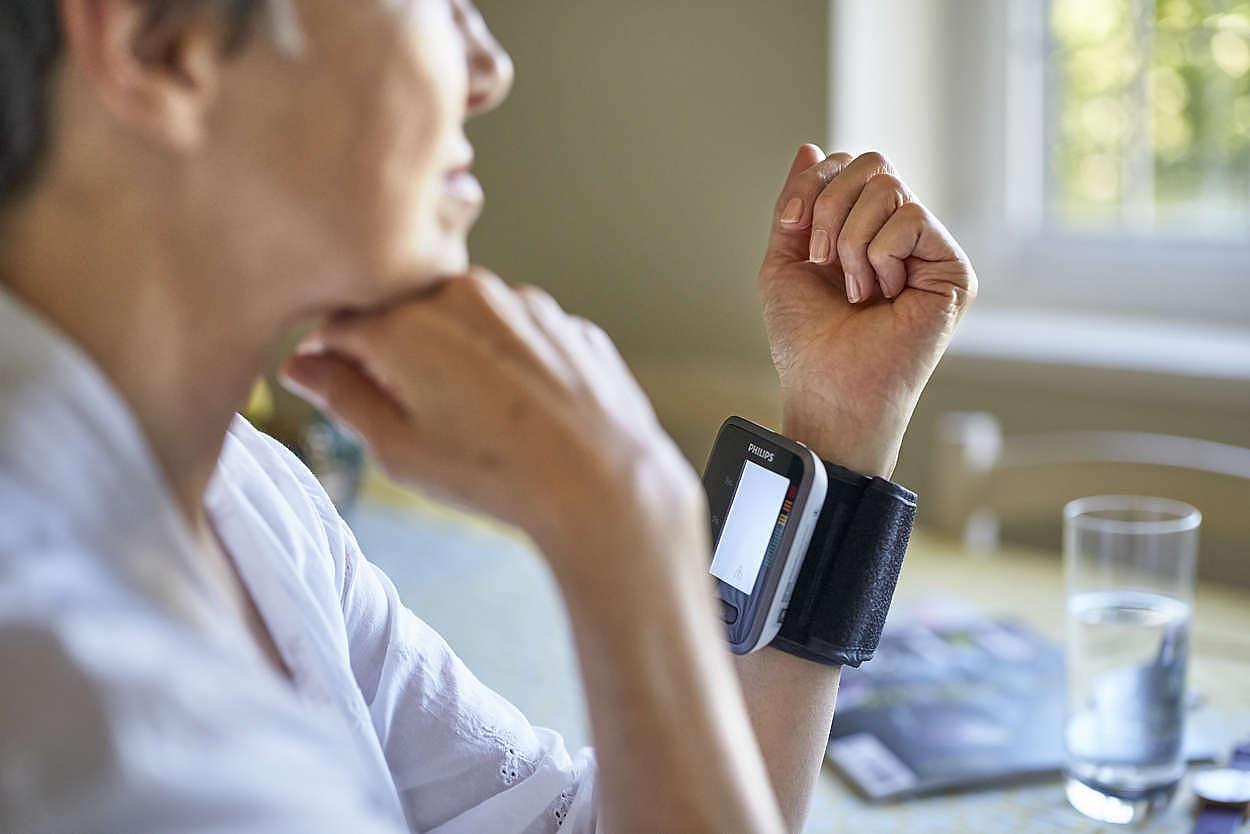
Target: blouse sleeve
[[463, 758]]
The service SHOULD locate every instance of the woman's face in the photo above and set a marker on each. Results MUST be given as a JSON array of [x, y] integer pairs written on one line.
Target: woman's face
[[354, 147]]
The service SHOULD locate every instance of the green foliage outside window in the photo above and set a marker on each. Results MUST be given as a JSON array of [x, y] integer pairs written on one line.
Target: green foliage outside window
[[1150, 117]]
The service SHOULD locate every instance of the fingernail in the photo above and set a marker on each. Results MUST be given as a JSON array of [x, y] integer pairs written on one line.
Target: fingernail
[[793, 212], [852, 288], [310, 344], [301, 387], [819, 252]]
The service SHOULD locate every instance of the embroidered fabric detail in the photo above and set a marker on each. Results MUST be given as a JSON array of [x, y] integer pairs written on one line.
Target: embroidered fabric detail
[[510, 767], [561, 808], [514, 765]]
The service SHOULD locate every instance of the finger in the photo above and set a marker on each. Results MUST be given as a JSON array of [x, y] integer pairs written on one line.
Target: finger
[[598, 340], [788, 212], [882, 196], [834, 204], [913, 233], [631, 398], [546, 312], [565, 353], [792, 214], [590, 351], [476, 313], [341, 387], [521, 324], [353, 338], [805, 157]]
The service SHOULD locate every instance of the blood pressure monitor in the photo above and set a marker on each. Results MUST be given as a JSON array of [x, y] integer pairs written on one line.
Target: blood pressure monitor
[[806, 553], [766, 493]]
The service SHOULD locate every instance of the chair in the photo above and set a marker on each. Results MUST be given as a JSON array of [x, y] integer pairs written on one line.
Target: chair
[[987, 484]]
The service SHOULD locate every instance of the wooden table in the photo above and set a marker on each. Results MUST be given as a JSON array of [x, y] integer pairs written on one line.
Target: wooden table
[[494, 601]]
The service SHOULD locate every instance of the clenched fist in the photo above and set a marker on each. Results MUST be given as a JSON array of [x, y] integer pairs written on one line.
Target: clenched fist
[[861, 289]]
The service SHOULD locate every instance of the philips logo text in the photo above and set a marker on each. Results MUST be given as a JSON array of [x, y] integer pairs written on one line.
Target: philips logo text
[[761, 453]]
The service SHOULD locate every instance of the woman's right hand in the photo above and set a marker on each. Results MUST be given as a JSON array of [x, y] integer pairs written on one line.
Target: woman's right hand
[[499, 400]]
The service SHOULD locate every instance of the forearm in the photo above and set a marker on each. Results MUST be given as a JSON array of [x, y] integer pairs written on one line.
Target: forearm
[[791, 702], [671, 730]]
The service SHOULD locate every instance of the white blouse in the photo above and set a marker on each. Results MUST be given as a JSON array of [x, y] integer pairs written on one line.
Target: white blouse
[[128, 703]]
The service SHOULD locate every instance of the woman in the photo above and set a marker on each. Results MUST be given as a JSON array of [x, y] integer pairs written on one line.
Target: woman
[[190, 635]]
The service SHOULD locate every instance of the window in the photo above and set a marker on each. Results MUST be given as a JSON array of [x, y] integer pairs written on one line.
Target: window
[[1093, 156], [1149, 117]]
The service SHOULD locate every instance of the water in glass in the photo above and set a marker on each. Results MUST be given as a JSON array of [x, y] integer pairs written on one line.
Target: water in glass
[[1126, 690]]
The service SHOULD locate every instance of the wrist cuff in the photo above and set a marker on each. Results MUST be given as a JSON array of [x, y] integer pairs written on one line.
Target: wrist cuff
[[844, 589]]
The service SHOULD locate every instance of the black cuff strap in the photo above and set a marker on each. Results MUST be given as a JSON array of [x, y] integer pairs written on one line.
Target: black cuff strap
[[844, 588]]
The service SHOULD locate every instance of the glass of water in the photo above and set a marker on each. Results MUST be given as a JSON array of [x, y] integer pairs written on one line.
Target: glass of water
[[1129, 573]]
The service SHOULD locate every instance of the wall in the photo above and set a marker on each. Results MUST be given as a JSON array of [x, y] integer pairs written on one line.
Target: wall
[[634, 169]]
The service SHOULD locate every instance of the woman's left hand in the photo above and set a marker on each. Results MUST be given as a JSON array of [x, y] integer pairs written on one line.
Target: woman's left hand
[[862, 289]]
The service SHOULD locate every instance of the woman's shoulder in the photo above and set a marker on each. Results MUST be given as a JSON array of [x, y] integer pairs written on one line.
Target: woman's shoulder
[[262, 478]]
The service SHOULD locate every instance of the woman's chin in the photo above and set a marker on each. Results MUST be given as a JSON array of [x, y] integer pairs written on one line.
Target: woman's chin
[[452, 257], [380, 282], [422, 270]]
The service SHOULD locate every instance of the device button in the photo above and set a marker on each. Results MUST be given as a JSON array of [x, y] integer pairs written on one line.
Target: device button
[[728, 613]]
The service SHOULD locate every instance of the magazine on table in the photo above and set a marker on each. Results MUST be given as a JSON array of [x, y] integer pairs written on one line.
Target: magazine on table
[[954, 700]]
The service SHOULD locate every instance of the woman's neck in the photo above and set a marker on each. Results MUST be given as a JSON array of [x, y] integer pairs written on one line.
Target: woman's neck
[[181, 348]]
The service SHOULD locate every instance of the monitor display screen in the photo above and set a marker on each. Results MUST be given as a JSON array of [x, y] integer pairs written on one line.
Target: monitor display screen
[[752, 520]]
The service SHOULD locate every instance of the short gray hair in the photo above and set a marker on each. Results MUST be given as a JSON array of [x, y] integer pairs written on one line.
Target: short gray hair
[[30, 48]]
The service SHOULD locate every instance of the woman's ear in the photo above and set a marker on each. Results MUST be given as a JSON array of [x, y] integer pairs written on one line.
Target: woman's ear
[[158, 76]]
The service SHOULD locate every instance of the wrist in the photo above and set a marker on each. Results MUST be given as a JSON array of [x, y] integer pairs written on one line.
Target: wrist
[[867, 449], [637, 524]]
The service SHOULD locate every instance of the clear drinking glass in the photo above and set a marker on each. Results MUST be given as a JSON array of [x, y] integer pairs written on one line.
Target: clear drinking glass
[[1129, 573]]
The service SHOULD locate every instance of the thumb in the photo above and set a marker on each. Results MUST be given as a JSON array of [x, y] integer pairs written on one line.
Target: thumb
[[808, 155], [789, 238], [341, 387]]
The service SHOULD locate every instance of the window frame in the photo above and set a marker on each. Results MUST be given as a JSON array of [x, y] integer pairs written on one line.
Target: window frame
[[1120, 272]]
